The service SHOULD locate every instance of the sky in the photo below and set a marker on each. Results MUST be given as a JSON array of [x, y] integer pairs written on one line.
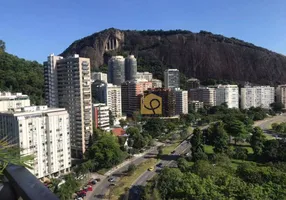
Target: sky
[[33, 29]]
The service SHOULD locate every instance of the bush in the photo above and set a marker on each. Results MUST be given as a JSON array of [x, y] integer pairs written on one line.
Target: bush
[[240, 153]]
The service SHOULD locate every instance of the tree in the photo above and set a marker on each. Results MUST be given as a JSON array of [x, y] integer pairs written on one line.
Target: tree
[[131, 169], [237, 130], [240, 153], [154, 127], [138, 140], [277, 106], [111, 118], [122, 122], [257, 139], [220, 138], [197, 147], [2, 46], [105, 152], [270, 151], [66, 190]]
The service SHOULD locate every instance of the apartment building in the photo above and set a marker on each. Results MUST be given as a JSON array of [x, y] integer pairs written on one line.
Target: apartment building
[[144, 75], [10, 101], [132, 92], [227, 94], [98, 76], [68, 85], [281, 94], [172, 78], [195, 105], [193, 83], [168, 100], [203, 94], [257, 96], [130, 68], [156, 83], [43, 133], [100, 116], [113, 99], [181, 102], [116, 70]]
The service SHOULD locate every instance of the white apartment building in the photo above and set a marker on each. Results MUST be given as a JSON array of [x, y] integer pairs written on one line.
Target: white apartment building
[[100, 116], [113, 99], [281, 94], [156, 83], [172, 78], [181, 102], [227, 94], [68, 85], [203, 94], [144, 75], [10, 101], [43, 133], [257, 96], [99, 76]]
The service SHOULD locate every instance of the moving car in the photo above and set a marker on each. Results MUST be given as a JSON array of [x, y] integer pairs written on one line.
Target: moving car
[[150, 168], [111, 179]]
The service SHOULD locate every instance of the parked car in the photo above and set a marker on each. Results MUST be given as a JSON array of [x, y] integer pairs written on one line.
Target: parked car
[[112, 184], [97, 179], [160, 165]]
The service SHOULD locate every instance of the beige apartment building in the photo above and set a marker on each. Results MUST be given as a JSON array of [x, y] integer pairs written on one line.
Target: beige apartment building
[[68, 85], [10, 101], [281, 94]]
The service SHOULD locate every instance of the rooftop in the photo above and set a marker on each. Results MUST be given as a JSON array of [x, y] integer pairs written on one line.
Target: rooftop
[[28, 110]]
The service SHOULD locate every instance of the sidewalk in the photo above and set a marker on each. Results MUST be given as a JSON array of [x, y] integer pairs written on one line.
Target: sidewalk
[[128, 161]]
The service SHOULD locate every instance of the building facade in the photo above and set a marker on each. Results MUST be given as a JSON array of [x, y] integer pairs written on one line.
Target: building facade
[[43, 133], [193, 83], [227, 94], [113, 99], [195, 105], [130, 68], [98, 76], [172, 78], [281, 94], [116, 70], [132, 92], [181, 102], [257, 96], [71, 90], [168, 100], [144, 75], [98, 90], [100, 116], [204, 94], [156, 83], [10, 101]]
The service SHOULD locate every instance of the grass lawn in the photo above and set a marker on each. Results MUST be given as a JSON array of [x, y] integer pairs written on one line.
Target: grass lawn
[[168, 149], [269, 137], [103, 171], [126, 181], [208, 149]]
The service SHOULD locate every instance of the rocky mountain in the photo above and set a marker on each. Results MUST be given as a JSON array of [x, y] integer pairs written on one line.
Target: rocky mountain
[[202, 55]]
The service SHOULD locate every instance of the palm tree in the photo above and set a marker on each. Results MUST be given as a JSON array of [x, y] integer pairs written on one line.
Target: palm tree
[[10, 154]]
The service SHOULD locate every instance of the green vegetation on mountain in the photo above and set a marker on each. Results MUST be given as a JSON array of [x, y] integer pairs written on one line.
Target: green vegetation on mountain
[[19, 75]]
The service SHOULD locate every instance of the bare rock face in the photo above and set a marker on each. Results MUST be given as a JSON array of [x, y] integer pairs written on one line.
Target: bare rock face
[[202, 55]]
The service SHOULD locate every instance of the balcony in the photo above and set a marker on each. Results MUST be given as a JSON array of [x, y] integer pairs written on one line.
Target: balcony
[[22, 184]]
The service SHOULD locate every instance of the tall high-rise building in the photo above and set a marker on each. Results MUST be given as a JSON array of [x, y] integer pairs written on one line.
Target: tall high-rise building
[[144, 75], [168, 100], [113, 99], [43, 133], [172, 78], [156, 83], [100, 116], [98, 90], [227, 94], [257, 96], [281, 94], [116, 70], [130, 68], [193, 83], [131, 92], [204, 94], [99, 76], [69, 87], [10, 101], [181, 102]]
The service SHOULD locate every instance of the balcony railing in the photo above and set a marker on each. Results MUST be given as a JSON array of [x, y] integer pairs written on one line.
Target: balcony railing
[[21, 183]]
